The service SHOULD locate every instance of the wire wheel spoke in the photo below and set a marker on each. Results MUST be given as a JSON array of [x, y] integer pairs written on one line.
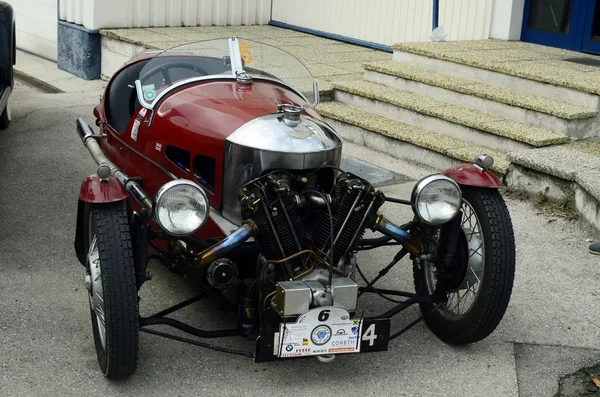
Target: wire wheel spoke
[[461, 300]]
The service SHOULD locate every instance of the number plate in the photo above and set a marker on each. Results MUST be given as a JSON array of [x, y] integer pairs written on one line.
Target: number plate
[[329, 330]]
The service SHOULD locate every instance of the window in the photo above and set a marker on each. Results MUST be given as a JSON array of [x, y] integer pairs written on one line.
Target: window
[[204, 171]]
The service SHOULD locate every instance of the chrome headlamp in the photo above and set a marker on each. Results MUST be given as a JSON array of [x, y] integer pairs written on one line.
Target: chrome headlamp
[[436, 199], [181, 207]]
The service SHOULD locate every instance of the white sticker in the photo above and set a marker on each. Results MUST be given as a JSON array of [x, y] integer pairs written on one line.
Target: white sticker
[[324, 330], [136, 124], [134, 129]]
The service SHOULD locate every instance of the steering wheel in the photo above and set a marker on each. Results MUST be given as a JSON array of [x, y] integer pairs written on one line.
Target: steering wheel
[[164, 69]]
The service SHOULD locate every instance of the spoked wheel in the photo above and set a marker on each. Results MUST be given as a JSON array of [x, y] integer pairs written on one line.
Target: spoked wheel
[[486, 264], [6, 116], [112, 289]]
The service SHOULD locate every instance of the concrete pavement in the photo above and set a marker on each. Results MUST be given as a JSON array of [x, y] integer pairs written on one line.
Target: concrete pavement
[[47, 347]]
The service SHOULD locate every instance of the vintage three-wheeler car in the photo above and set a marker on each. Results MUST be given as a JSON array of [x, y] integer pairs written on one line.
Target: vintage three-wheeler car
[[211, 157]]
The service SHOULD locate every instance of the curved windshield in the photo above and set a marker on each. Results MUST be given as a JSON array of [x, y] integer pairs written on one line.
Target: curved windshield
[[225, 58]]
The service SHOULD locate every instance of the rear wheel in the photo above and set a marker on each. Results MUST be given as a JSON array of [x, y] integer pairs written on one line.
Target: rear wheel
[[112, 289], [476, 307], [6, 116]]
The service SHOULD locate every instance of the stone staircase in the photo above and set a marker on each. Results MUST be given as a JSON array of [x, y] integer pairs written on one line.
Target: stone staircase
[[439, 108]]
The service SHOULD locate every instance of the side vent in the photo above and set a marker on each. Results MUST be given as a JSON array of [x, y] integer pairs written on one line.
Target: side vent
[[179, 157], [204, 171]]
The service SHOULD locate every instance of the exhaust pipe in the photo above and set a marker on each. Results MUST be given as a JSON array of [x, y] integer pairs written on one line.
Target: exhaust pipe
[[89, 141], [222, 248], [384, 226]]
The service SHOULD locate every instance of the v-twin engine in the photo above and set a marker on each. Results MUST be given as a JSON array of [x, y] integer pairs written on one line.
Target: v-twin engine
[[296, 212]]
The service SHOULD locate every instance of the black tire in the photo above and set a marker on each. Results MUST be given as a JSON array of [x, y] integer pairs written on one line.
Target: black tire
[[495, 286], [116, 345], [5, 117]]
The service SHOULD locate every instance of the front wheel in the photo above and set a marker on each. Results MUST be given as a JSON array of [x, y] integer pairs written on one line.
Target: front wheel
[[487, 251], [112, 289]]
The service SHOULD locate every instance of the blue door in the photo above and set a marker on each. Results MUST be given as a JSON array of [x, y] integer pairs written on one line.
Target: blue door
[[569, 24], [591, 34]]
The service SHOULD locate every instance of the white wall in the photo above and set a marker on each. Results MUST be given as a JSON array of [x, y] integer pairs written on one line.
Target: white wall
[[98, 14], [466, 19], [507, 19], [388, 21], [36, 25]]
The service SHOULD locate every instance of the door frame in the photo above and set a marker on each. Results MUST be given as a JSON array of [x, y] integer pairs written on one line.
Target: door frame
[[571, 41], [587, 44]]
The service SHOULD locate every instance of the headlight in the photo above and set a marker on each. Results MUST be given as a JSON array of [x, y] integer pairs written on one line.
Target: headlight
[[181, 207], [436, 199]]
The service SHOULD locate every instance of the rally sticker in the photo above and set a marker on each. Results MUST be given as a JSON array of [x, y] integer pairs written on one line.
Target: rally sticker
[[324, 330], [136, 124], [149, 92]]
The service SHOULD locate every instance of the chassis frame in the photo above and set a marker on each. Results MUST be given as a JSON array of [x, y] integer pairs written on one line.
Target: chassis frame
[[264, 342]]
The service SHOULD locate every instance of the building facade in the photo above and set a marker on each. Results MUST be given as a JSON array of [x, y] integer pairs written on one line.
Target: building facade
[[54, 27]]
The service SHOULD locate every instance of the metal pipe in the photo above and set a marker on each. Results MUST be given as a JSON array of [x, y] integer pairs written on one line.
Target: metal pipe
[[386, 227], [289, 222], [89, 141], [273, 228], [222, 248], [359, 229], [436, 14], [358, 197]]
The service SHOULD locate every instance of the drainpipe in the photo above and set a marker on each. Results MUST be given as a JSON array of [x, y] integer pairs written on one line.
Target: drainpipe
[[436, 14]]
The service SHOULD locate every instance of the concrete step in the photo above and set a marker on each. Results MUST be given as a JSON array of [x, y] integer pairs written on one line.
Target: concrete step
[[478, 61], [468, 125], [404, 141], [568, 174], [563, 118]]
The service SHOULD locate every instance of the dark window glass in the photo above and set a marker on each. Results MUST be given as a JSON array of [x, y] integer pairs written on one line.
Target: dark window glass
[[180, 157], [552, 16], [204, 171], [596, 24]]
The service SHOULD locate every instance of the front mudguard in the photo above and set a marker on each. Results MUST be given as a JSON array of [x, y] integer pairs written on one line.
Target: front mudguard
[[94, 191], [473, 175]]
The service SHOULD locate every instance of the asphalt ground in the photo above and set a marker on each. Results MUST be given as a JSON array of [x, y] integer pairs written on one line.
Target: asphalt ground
[[551, 328]]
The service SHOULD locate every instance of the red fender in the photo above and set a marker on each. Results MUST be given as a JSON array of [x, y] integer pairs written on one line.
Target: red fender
[[472, 175], [95, 191]]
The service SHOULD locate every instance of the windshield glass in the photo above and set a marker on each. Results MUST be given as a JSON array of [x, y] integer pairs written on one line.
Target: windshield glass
[[227, 58]]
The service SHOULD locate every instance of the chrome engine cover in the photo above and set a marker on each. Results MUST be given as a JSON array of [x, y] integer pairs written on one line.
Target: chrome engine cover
[[274, 142]]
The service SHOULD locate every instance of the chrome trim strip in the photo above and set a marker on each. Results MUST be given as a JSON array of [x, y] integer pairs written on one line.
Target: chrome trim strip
[[138, 87], [316, 94], [236, 57]]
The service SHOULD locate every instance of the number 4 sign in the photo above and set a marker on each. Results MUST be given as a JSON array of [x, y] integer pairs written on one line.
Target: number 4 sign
[[375, 334], [369, 335]]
